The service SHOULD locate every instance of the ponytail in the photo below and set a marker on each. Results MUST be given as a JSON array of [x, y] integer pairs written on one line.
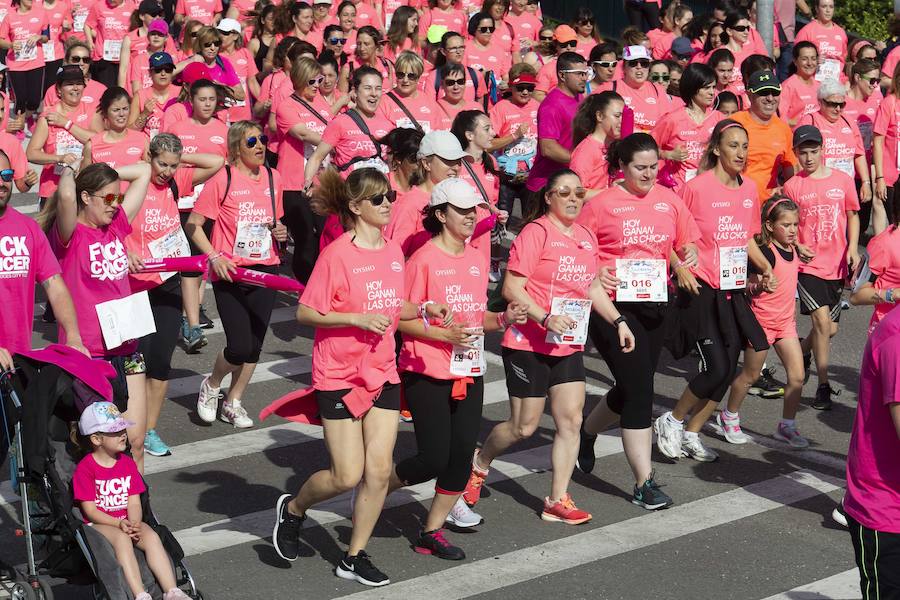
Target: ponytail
[[334, 195]]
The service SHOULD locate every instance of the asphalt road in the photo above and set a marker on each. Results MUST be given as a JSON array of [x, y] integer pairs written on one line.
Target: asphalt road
[[755, 524]]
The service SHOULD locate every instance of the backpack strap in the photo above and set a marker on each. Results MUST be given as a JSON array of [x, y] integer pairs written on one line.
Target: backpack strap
[[477, 181], [228, 186], [309, 107], [227, 183], [405, 110], [360, 122], [174, 187]]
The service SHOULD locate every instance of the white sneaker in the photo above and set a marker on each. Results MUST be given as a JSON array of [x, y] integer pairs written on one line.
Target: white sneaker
[[463, 516], [838, 515], [731, 429], [234, 413], [692, 447], [790, 434], [668, 436], [207, 402]]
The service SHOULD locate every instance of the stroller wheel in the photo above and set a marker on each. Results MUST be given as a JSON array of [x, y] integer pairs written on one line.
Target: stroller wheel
[[46, 592], [21, 590], [198, 595]]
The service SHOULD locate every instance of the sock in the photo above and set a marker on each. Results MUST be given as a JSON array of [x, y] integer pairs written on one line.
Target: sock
[[671, 419], [787, 422], [691, 435], [728, 415]]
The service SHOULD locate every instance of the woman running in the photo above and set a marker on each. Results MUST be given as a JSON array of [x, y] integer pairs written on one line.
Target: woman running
[[553, 272]]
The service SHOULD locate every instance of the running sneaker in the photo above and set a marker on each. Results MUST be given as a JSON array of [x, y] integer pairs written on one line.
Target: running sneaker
[[286, 534], [650, 496], [692, 447], [564, 511], [405, 416], [208, 401], [463, 516], [435, 544], [823, 397], [790, 434], [731, 429], [176, 594], [472, 493], [360, 568], [845, 305], [154, 446], [193, 338], [143, 596], [668, 435], [205, 321], [807, 363], [838, 515], [767, 386], [494, 274], [586, 457], [235, 414]]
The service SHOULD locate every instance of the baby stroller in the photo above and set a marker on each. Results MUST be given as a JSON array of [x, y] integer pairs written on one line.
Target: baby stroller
[[38, 402]]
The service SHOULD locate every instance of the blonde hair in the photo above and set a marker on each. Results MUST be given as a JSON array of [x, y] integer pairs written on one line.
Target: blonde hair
[[409, 61], [205, 35], [302, 71], [236, 134], [334, 195]]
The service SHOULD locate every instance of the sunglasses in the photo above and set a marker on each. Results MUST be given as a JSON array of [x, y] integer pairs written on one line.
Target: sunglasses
[[253, 139], [643, 63], [317, 81], [390, 196], [683, 57], [873, 81], [110, 199], [764, 93], [452, 82], [524, 87], [830, 104], [659, 78], [212, 44], [167, 69], [85, 60], [571, 44], [486, 29], [584, 22], [579, 72], [741, 28], [606, 64], [456, 49], [337, 41], [546, 39], [565, 191], [6, 175], [410, 76]]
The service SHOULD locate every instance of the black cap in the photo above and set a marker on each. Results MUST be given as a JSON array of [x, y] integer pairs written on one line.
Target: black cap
[[763, 80], [150, 7], [807, 134], [69, 73]]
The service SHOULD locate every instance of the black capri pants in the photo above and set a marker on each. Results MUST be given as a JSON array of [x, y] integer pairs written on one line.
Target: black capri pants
[[28, 87], [305, 227], [446, 432], [877, 556], [157, 348], [642, 15], [719, 351], [245, 311], [632, 396]]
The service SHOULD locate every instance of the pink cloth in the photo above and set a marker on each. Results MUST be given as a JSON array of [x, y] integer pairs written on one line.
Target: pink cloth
[[554, 122], [94, 373], [266, 280]]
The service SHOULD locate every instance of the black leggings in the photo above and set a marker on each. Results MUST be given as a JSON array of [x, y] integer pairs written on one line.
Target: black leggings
[[50, 70], [245, 311], [643, 15], [305, 227], [446, 432], [719, 356], [632, 396], [157, 348], [28, 86]]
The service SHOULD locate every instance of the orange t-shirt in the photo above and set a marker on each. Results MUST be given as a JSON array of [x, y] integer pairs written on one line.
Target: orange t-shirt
[[770, 149]]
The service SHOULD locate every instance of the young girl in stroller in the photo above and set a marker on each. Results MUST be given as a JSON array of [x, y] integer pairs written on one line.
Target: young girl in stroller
[[107, 486]]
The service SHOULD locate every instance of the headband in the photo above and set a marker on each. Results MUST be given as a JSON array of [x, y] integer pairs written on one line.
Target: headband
[[733, 124], [771, 208]]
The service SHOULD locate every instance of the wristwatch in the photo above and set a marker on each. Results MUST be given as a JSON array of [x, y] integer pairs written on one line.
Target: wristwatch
[[619, 321]]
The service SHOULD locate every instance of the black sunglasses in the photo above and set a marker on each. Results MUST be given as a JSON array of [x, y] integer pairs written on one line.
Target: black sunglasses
[[410, 76], [571, 44], [7, 175], [489, 29], [452, 82], [584, 22], [741, 28], [830, 104], [524, 87], [167, 69], [213, 44], [337, 41], [873, 80], [641, 62], [253, 139], [657, 77], [85, 60], [764, 93], [390, 196], [546, 39]]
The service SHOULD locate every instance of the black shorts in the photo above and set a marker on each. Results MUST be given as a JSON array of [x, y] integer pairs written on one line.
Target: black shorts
[[331, 405], [816, 292], [531, 375]]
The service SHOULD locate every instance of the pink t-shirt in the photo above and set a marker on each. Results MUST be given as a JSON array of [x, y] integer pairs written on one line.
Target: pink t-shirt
[[350, 279], [823, 206], [662, 44], [725, 217], [678, 130], [421, 105], [244, 67], [495, 57], [453, 19], [506, 117], [293, 152], [546, 77], [241, 217], [887, 123], [59, 141], [884, 262], [199, 10], [649, 102], [95, 268], [110, 26], [156, 229], [25, 259], [348, 140], [127, 151], [18, 27], [460, 282], [139, 43], [525, 27], [449, 111], [202, 139], [555, 266], [776, 311], [797, 98], [843, 143], [173, 112], [873, 476], [60, 11], [80, 10], [154, 122], [831, 41], [890, 62], [18, 162], [589, 162], [406, 218], [90, 97], [863, 114], [107, 487]]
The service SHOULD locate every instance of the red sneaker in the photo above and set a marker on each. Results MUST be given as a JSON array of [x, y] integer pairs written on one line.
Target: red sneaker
[[472, 493], [406, 416], [565, 511]]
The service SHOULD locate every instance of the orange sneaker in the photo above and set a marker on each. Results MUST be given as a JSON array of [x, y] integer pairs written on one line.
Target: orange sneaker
[[565, 511], [406, 416], [472, 493]]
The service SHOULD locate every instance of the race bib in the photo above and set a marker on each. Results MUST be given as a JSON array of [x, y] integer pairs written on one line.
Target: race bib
[[829, 69], [49, 51], [579, 309], [253, 241], [732, 267], [187, 202], [845, 165], [67, 146], [408, 124], [689, 174], [27, 52], [468, 362], [527, 146], [112, 50], [78, 22], [372, 163], [125, 319], [642, 280]]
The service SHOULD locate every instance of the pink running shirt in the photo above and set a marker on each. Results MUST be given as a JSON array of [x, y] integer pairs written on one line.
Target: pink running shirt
[[107, 487]]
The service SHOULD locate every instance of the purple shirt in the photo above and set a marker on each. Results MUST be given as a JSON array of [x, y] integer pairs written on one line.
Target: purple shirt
[[554, 122], [873, 471]]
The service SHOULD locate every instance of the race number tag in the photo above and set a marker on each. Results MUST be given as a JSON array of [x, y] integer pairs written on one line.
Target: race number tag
[[49, 51], [829, 69], [689, 174], [845, 165], [27, 52], [642, 280], [732, 267], [253, 241], [468, 362], [112, 50], [78, 21], [171, 245], [579, 309], [67, 144]]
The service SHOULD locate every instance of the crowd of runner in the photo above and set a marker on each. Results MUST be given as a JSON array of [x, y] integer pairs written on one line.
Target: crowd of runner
[[679, 188]]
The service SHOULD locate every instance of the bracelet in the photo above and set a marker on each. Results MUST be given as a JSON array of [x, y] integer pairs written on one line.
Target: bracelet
[[501, 320], [212, 256], [879, 177], [889, 296], [68, 125], [423, 315], [621, 319], [544, 320]]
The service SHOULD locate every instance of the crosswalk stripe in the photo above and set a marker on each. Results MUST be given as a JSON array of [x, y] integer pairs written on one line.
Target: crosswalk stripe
[[251, 527], [843, 586], [497, 572]]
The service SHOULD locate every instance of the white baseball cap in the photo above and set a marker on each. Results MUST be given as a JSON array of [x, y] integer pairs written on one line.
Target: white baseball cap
[[457, 192], [442, 143], [102, 417], [228, 25], [635, 53]]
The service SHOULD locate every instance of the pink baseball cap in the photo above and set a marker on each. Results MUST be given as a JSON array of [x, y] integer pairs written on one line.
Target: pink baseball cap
[[102, 417], [158, 26]]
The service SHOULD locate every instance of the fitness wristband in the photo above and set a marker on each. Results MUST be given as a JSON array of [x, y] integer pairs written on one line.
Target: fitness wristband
[[619, 321]]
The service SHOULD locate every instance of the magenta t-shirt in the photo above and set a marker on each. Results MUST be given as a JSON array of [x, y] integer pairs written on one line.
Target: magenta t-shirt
[[95, 269], [107, 487], [554, 122], [25, 259], [873, 471]]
